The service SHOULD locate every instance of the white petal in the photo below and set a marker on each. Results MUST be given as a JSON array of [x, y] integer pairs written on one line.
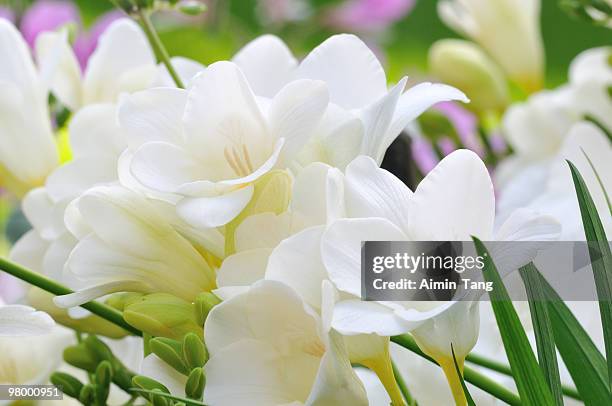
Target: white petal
[[243, 268], [374, 192], [164, 167], [278, 227], [155, 368], [18, 320], [75, 177], [309, 191], [341, 248], [528, 225], [376, 118], [94, 129], [351, 70], [214, 211], [296, 111], [411, 104], [153, 115], [455, 201], [270, 311], [356, 317], [260, 382], [336, 382], [20, 70], [55, 55], [88, 294], [121, 48], [267, 64], [29, 251], [297, 263], [44, 215]]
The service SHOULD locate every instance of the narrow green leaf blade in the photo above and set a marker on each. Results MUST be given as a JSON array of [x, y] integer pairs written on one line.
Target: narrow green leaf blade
[[542, 326], [601, 259], [585, 363], [530, 382], [466, 392]]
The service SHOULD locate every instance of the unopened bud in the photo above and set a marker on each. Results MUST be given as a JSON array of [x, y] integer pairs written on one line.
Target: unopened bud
[[194, 351], [86, 396], [162, 315], [171, 352], [104, 376], [69, 385], [79, 356], [194, 388], [191, 7], [464, 65], [204, 304]]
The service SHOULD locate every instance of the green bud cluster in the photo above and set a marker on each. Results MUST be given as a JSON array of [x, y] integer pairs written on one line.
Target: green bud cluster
[[93, 356], [597, 12]]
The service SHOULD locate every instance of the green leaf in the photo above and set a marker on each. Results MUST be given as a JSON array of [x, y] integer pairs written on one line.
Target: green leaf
[[585, 363], [601, 259], [545, 338], [601, 184], [466, 392], [530, 382]]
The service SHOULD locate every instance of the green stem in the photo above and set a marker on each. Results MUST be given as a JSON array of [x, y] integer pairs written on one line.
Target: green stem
[[41, 281], [157, 45], [470, 375], [402, 385]]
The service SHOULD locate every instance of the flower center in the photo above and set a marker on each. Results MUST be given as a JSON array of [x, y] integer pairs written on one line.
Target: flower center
[[239, 160]]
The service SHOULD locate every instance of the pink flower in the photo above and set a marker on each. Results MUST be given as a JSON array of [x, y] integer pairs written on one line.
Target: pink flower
[[47, 15], [86, 43], [368, 15]]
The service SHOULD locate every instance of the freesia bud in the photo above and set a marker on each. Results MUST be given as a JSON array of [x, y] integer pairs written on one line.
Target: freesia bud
[[194, 351], [70, 385], [86, 396], [204, 304], [161, 314], [191, 7], [508, 30], [79, 356], [465, 66], [195, 384], [104, 375], [171, 352]]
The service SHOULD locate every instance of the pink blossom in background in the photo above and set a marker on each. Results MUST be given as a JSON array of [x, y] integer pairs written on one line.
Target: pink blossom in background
[[368, 15], [47, 15], [465, 124], [423, 154], [86, 43], [446, 145], [7, 14]]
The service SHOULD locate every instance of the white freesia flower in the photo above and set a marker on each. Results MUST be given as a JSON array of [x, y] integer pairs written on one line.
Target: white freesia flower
[[538, 128], [509, 30], [126, 244], [293, 356], [27, 151], [224, 141], [122, 62], [364, 116]]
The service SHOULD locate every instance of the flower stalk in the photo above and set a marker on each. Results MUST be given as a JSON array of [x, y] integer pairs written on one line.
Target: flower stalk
[[36, 279], [158, 46]]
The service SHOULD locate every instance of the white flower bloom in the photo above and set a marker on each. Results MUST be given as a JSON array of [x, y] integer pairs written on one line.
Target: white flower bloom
[[122, 62], [293, 356], [126, 244], [538, 128], [224, 141], [27, 151], [509, 30]]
